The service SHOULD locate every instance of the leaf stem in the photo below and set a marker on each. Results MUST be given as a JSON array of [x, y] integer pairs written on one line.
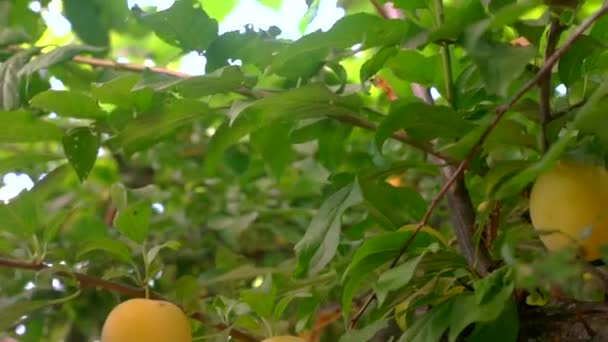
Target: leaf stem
[[446, 62], [555, 30]]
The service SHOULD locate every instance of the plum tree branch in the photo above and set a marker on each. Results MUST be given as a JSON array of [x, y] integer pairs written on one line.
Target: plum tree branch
[[91, 282], [348, 119], [499, 113], [555, 30]]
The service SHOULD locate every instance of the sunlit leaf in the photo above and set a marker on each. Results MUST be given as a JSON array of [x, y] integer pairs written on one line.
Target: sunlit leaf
[[68, 104], [21, 126], [114, 248], [185, 24], [134, 221]]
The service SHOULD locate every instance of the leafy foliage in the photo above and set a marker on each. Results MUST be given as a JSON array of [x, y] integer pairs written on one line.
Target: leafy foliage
[[292, 188]]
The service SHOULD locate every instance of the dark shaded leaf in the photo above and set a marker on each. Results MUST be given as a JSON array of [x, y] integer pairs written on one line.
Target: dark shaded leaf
[[571, 65], [310, 101], [366, 333], [422, 121], [81, 146], [85, 18], [500, 64], [152, 127], [394, 206]]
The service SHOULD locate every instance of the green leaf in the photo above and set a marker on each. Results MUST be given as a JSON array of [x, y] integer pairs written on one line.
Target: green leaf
[[153, 252], [309, 101], [114, 248], [22, 126], [517, 183], [10, 79], [119, 196], [413, 66], [590, 118], [422, 121], [20, 215], [318, 245], [261, 302], [185, 24], [221, 81], [571, 65], [86, 21], [134, 221], [56, 56], [376, 251], [366, 333], [309, 15], [273, 144], [504, 328], [395, 206], [374, 64], [500, 64], [119, 92], [468, 309], [68, 104], [274, 4], [431, 326], [151, 127], [81, 146], [305, 56], [250, 47], [398, 277], [218, 9]]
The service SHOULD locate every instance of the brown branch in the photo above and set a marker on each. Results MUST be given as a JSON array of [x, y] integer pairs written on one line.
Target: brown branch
[[91, 282], [555, 30], [499, 113], [399, 135]]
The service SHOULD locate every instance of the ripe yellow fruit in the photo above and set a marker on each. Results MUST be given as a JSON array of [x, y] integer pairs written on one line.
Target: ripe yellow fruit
[[146, 320], [284, 338], [572, 198]]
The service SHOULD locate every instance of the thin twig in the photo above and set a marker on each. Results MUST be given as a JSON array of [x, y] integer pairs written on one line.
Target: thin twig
[[87, 281], [399, 135], [499, 113], [446, 62], [555, 30]]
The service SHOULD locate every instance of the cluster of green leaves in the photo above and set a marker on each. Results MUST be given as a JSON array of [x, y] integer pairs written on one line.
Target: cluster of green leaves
[[266, 202]]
